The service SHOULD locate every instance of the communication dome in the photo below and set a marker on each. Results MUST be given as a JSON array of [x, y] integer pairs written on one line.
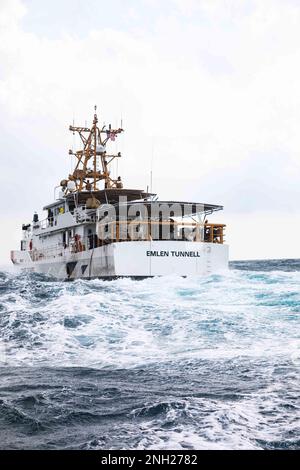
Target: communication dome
[[71, 185]]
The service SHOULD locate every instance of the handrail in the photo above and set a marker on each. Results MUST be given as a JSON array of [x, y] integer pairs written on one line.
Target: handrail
[[213, 233]]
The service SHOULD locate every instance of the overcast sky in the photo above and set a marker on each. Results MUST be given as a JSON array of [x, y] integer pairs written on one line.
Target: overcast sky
[[208, 91]]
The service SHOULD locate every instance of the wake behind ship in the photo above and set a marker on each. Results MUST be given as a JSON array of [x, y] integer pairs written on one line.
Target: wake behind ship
[[113, 231]]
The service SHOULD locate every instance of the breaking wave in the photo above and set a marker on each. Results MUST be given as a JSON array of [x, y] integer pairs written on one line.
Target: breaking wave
[[205, 363]]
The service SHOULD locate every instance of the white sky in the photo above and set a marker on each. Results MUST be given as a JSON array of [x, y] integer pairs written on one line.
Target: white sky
[[210, 87]]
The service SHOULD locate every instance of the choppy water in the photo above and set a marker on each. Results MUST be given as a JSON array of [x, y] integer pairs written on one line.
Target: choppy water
[[166, 363]]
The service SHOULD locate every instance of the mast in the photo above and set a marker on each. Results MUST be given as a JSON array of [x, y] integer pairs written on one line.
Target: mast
[[85, 175], [95, 148]]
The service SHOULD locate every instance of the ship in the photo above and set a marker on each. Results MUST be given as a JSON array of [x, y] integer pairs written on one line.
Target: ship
[[98, 228]]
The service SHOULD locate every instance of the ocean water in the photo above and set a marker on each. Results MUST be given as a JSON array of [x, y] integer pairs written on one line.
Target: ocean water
[[163, 363]]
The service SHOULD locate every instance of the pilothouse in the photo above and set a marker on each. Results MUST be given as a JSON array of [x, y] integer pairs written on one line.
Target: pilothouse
[[98, 228]]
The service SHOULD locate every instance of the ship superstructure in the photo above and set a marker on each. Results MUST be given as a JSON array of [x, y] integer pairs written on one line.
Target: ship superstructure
[[98, 228]]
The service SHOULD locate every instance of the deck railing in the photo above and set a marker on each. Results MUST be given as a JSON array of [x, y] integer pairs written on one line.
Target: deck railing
[[118, 231]]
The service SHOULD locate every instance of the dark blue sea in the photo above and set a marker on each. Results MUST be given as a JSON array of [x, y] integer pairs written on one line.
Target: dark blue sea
[[163, 363]]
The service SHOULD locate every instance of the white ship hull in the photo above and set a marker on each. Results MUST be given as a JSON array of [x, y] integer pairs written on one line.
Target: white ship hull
[[131, 259], [116, 231]]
